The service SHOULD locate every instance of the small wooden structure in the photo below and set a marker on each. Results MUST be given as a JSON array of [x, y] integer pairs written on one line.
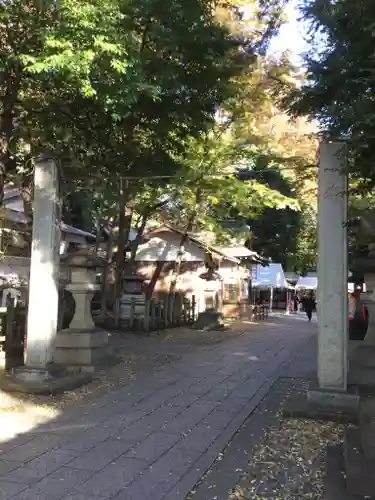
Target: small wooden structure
[[158, 313], [132, 301]]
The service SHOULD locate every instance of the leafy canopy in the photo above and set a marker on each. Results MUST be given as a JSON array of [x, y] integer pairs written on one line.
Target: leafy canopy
[[111, 87], [339, 87]]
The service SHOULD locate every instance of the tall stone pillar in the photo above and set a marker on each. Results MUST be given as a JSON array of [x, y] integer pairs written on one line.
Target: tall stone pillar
[[332, 268], [44, 268]]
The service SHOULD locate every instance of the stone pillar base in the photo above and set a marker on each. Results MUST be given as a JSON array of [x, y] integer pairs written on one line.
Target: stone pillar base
[[44, 381], [334, 399], [81, 350], [320, 404], [29, 375]]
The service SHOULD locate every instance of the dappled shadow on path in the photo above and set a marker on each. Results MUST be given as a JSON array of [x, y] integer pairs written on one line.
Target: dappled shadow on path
[[171, 414]]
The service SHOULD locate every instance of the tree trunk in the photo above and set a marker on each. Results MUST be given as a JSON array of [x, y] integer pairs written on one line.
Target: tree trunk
[[10, 81], [98, 226], [155, 276], [123, 236], [184, 238], [104, 287], [27, 195]]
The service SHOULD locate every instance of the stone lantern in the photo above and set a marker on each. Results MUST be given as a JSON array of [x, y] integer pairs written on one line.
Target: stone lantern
[[82, 344]]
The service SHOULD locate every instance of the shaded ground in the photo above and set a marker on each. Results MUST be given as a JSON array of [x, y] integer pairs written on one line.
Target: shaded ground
[[275, 459], [138, 356], [152, 438], [290, 462]]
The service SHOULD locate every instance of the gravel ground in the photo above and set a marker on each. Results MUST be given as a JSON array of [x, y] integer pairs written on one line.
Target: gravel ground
[[289, 463]]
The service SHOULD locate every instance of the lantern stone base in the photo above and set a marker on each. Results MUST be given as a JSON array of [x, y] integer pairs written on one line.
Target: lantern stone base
[[81, 350]]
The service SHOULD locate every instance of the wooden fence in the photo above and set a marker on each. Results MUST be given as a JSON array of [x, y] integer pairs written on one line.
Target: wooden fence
[[12, 334], [158, 314], [259, 312]]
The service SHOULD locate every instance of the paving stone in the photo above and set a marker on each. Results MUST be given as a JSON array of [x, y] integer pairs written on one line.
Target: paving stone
[[188, 419], [82, 496], [153, 446], [125, 418], [100, 456], [171, 420], [149, 486], [227, 471], [218, 419], [87, 440], [176, 461], [162, 416], [232, 404], [200, 438], [21, 439], [55, 486], [209, 384], [135, 433], [218, 395], [112, 479], [6, 466], [32, 449], [161, 397], [9, 490], [184, 399], [40, 467]]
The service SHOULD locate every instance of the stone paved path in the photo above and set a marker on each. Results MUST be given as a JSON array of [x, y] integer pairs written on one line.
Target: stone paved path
[[155, 438]]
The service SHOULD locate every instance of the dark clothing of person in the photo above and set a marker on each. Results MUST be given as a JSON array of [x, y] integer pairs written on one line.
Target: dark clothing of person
[[295, 304], [308, 305], [358, 325]]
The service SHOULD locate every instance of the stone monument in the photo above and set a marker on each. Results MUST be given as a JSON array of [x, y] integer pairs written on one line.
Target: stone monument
[[43, 285], [332, 271], [331, 395], [39, 374], [82, 345]]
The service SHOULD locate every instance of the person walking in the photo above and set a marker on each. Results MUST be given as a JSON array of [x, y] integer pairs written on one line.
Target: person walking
[[308, 305], [295, 303], [358, 316]]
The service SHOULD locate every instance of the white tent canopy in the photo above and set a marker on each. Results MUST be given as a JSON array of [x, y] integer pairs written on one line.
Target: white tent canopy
[[271, 276], [307, 283], [311, 283]]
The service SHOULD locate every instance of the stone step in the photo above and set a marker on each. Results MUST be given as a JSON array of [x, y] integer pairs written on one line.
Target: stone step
[[363, 355], [361, 376], [334, 478], [367, 438], [360, 475], [367, 426]]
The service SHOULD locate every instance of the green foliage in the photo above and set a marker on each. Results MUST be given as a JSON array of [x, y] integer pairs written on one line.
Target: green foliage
[[274, 232], [110, 87], [280, 156], [306, 251], [340, 80], [209, 192], [119, 88]]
